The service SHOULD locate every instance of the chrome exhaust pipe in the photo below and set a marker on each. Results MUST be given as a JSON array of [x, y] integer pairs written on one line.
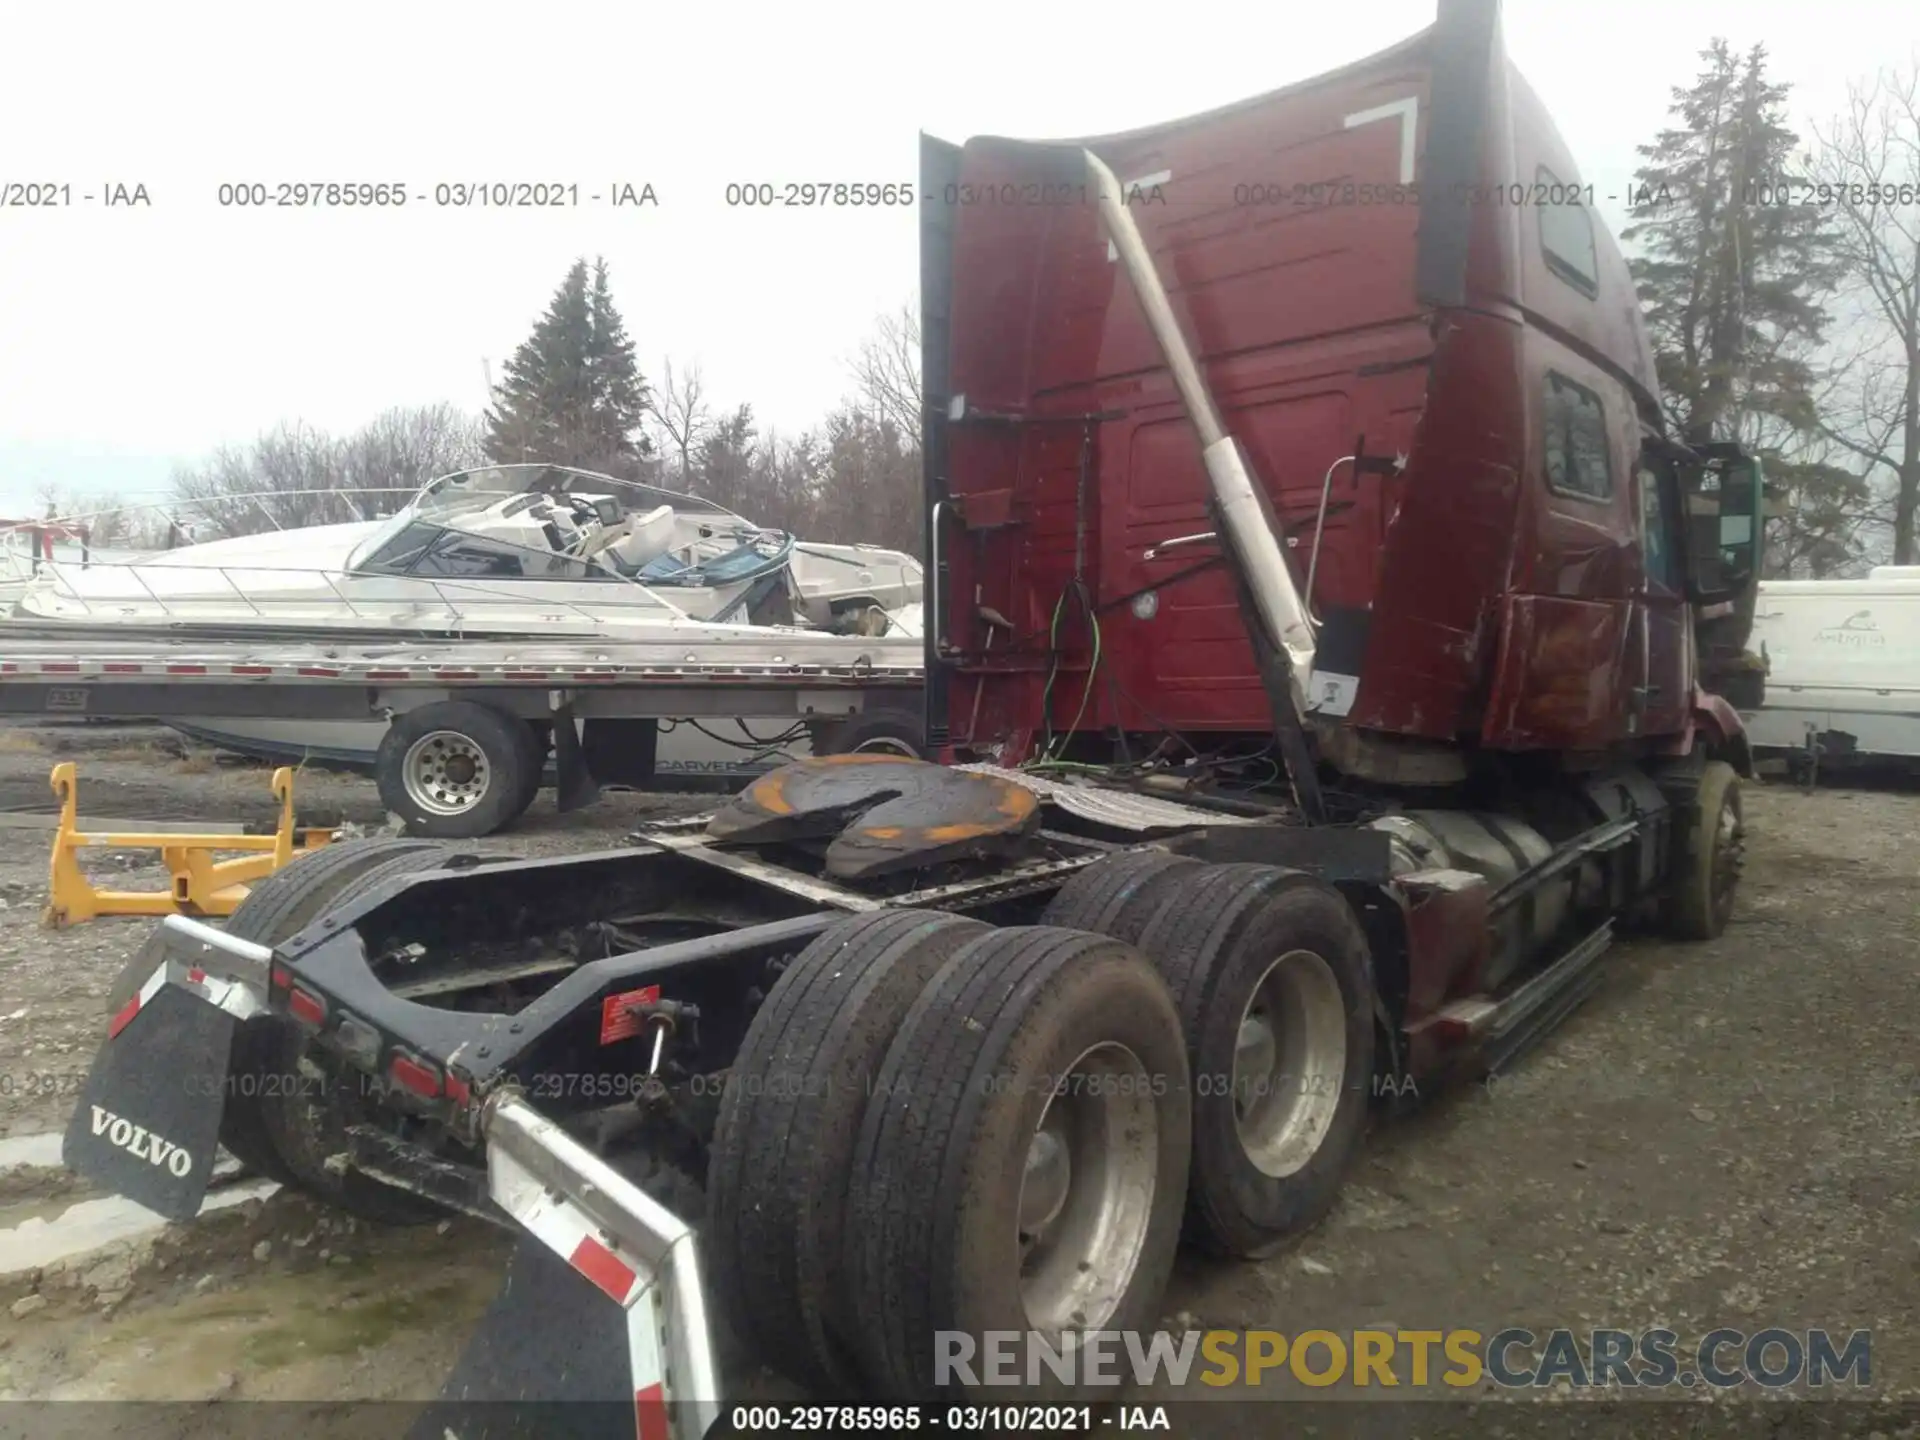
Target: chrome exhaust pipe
[[1252, 529]]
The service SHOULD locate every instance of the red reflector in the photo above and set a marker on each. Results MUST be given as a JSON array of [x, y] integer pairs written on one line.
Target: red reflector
[[603, 1268], [457, 1089], [196, 975], [650, 1412], [124, 1018], [420, 1078], [615, 1022], [307, 1007], [280, 977]]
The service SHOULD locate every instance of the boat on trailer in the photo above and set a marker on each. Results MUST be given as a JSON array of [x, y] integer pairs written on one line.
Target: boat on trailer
[[493, 552], [499, 552]]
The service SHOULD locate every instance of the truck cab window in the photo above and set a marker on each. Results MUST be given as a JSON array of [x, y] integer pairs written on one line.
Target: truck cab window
[[1574, 434], [1656, 527], [1566, 234]]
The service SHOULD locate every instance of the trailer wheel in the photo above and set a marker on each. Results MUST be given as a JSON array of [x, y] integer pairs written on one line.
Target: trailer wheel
[[791, 1112], [1270, 971], [1118, 894], [539, 739], [882, 732], [454, 770], [277, 906], [306, 1115], [1707, 856], [1022, 1164]]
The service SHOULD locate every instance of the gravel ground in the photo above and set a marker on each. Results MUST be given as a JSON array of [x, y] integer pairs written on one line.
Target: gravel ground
[[1724, 1135]]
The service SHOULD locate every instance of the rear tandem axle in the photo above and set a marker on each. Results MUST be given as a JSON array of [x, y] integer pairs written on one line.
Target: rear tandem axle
[[1074, 1046]]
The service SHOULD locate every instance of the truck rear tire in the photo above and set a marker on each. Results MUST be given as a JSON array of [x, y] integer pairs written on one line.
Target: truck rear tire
[[281, 904], [1118, 894], [784, 1141], [539, 745], [1270, 971], [1023, 1162], [277, 907], [305, 1112], [455, 770], [1707, 856]]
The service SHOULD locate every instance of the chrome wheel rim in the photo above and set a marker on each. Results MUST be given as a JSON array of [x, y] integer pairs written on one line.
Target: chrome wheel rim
[[1086, 1197], [445, 772], [1289, 1063]]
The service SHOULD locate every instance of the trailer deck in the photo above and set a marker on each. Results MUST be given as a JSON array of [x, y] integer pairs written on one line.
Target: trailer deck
[[710, 674]]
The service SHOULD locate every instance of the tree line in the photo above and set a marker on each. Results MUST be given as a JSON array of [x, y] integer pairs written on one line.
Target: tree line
[[1780, 283], [1781, 287], [573, 394]]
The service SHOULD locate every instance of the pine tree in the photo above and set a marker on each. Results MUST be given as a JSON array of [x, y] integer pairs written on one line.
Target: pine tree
[[1733, 281], [619, 391], [725, 464], [572, 394], [1734, 277]]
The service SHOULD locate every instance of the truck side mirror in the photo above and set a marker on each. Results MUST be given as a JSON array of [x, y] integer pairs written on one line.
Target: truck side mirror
[[1724, 526]]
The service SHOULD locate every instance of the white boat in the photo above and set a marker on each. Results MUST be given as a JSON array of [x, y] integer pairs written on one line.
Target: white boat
[[1843, 665], [28, 546], [499, 551], [511, 551]]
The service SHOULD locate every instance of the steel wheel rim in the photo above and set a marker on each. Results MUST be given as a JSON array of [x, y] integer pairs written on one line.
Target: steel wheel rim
[[445, 772], [1289, 1063], [1086, 1195], [885, 745]]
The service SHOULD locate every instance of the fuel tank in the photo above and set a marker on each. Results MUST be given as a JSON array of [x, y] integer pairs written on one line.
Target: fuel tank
[[1497, 848]]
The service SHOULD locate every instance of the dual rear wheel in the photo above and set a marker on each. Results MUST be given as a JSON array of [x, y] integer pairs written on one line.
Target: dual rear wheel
[[936, 1130]]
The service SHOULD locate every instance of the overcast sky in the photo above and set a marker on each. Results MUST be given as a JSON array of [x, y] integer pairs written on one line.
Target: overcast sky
[[135, 339]]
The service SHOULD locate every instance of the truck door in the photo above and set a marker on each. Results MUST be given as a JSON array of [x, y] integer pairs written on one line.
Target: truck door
[[1663, 692]]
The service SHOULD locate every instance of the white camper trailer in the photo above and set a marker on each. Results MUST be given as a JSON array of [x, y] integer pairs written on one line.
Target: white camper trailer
[[1843, 666]]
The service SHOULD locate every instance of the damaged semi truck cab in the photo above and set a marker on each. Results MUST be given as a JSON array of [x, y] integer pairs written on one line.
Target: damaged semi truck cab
[[1394, 287], [1323, 658]]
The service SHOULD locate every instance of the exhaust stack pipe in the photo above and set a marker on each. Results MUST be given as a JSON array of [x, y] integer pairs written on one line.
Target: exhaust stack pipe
[[1246, 516]]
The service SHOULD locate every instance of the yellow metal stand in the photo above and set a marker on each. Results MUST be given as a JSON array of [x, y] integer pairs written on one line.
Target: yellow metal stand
[[201, 884]]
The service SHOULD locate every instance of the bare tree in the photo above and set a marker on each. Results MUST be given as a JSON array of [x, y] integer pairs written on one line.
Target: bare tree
[[887, 370], [295, 475], [679, 406], [1869, 160], [403, 448]]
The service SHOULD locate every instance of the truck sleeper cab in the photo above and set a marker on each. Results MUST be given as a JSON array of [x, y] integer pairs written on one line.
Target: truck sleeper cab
[[1431, 352]]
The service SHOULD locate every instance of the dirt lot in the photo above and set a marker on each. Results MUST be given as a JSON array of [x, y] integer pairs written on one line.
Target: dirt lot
[[1725, 1135]]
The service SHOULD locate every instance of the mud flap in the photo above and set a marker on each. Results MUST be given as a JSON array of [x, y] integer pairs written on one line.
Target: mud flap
[[549, 1359], [148, 1123], [601, 1326], [575, 787]]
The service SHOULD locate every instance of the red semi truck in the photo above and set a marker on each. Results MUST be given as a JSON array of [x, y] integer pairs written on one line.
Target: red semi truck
[[1320, 665]]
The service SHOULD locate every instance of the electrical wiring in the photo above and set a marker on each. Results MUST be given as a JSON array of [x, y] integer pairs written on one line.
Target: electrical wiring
[[752, 742], [1077, 589], [1093, 666]]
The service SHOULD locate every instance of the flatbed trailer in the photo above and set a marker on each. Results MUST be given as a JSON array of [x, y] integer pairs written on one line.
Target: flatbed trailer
[[495, 707]]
